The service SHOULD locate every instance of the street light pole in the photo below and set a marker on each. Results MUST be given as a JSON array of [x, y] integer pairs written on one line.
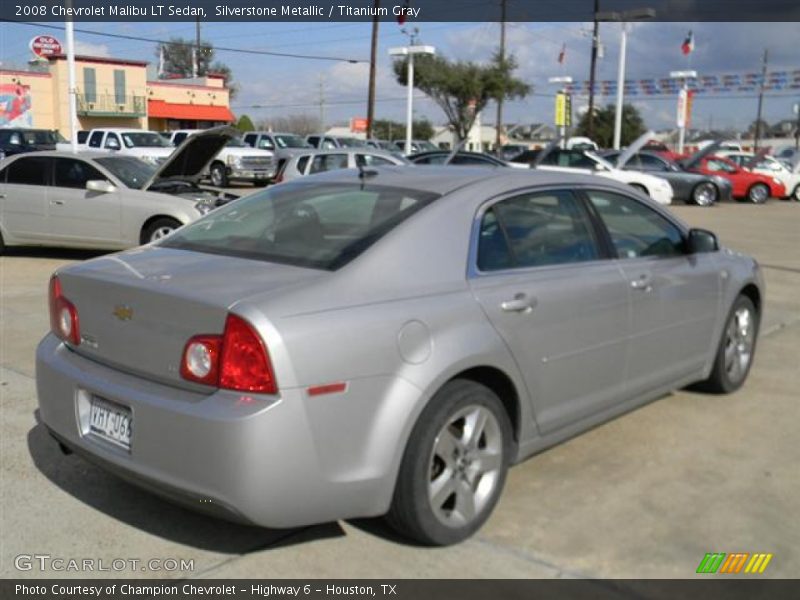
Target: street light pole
[[592, 69], [623, 47], [71, 82], [409, 52], [373, 59], [683, 101]]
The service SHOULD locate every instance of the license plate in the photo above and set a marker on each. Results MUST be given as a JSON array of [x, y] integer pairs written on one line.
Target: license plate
[[111, 422]]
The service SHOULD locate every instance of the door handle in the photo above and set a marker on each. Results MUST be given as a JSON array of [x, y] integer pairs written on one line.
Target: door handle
[[2, 195], [643, 283], [57, 202], [520, 303]]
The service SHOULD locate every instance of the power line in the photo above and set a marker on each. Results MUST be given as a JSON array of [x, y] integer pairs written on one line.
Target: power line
[[216, 48]]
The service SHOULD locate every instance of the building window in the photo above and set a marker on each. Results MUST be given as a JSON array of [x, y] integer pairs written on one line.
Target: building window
[[89, 84], [119, 86]]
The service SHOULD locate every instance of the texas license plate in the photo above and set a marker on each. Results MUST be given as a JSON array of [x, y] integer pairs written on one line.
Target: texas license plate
[[111, 422]]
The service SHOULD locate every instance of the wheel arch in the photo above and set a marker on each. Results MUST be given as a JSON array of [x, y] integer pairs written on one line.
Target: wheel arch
[[752, 292], [152, 220]]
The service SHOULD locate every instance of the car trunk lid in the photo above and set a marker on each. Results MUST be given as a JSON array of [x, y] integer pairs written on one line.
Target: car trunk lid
[[137, 309]]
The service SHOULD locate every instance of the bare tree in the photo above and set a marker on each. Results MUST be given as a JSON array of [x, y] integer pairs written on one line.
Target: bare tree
[[301, 124]]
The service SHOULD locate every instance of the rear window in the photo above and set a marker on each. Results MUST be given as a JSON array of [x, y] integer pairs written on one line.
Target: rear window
[[321, 226]]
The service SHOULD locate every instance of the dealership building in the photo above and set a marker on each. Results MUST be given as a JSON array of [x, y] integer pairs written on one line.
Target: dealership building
[[111, 92]]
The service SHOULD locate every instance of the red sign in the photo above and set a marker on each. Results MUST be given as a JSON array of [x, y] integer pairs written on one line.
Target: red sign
[[45, 45], [358, 125]]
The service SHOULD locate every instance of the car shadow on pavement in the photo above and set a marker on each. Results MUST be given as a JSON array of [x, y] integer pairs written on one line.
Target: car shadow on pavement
[[147, 512]]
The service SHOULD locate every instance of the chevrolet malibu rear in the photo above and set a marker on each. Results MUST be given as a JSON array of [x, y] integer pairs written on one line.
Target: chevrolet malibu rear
[[385, 341]]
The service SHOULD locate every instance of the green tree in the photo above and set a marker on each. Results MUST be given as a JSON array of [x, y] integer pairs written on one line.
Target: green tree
[[179, 62], [385, 129], [632, 125], [245, 123], [463, 89]]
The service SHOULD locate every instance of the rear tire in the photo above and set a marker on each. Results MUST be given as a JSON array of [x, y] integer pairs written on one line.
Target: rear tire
[[159, 229], [454, 465], [758, 193], [218, 176], [736, 349], [704, 194]]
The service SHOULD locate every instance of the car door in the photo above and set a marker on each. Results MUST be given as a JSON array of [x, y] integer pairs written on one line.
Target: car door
[[558, 302], [23, 198], [77, 214], [674, 295]]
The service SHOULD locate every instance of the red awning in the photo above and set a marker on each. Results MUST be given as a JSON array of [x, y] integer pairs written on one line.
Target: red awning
[[188, 112]]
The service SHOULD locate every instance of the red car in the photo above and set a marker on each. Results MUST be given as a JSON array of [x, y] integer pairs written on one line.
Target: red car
[[747, 185]]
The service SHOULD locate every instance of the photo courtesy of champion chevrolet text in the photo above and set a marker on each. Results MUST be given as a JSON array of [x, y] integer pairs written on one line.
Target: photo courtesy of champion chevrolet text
[[413, 299]]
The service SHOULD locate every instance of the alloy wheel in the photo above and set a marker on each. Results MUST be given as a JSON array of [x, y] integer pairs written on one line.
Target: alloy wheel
[[465, 466], [705, 194], [739, 341], [160, 233], [758, 194]]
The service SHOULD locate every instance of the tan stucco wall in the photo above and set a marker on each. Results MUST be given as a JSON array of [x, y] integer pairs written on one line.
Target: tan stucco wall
[[206, 95]]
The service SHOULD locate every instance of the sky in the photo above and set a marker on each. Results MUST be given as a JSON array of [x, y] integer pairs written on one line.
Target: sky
[[272, 87]]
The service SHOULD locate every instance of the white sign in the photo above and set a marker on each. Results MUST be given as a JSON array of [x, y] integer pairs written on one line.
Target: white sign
[[682, 98]]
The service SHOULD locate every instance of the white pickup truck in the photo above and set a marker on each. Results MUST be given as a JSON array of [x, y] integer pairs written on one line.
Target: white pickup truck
[[146, 145], [236, 161]]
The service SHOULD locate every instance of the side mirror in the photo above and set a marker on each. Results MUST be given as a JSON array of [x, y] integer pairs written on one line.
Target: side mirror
[[101, 186], [701, 241]]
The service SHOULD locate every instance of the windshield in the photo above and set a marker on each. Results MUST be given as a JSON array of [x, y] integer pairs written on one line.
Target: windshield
[[131, 171], [236, 143], [291, 141], [145, 139], [351, 143], [321, 226], [599, 159]]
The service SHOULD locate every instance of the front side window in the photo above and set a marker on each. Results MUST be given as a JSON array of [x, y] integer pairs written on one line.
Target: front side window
[[303, 224], [636, 230], [112, 141], [720, 166], [370, 160], [72, 173], [536, 229], [31, 170], [651, 163], [144, 139], [96, 139]]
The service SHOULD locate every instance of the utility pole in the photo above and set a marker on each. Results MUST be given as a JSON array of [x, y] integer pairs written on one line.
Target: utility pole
[[373, 57], [499, 124], [72, 90], [592, 69], [761, 99]]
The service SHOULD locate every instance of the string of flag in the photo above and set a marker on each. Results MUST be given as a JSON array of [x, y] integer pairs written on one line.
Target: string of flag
[[703, 84]]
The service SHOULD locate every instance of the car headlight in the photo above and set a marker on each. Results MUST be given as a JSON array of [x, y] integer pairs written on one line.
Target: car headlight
[[234, 160]]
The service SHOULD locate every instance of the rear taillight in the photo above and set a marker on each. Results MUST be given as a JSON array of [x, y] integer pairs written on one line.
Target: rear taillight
[[63, 315], [236, 360]]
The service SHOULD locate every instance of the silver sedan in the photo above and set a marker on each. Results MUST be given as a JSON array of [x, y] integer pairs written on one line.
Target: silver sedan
[[386, 342]]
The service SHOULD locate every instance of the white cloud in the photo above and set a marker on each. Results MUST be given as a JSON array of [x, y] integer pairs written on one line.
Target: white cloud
[[89, 49]]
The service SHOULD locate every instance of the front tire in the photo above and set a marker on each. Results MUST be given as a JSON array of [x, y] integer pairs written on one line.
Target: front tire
[[758, 193], [454, 465], [704, 194], [796, 193], [736, 349], [218, 176], [158, 229]]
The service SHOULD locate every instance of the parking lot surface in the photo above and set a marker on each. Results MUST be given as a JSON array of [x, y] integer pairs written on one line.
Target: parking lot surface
[[645, 495]]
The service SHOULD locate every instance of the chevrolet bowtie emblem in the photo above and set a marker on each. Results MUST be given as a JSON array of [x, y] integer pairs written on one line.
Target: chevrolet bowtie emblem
[[123, 313]]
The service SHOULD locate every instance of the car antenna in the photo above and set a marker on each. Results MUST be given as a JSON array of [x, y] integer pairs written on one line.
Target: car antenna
[[455, 151]]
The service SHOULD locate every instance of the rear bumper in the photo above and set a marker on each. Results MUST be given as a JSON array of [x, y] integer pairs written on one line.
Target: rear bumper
[[275, 461]]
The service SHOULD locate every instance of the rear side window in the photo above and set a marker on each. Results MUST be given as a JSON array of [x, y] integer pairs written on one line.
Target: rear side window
[[370, 160], [328, 162], [31, 170], [533, 230], [96, 139], [303, 224], [72, 173], [636, 230]]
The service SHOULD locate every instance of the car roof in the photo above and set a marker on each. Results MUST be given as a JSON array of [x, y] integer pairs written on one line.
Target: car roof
[[123, 130], [445, 179]]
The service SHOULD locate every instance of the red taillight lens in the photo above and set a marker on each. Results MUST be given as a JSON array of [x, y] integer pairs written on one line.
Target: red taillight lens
[[236, 360], [63, 315], [200, 361], [245, 364]]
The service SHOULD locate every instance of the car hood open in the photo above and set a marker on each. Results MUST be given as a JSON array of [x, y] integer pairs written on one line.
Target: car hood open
[[694, 159], [189, 160], [629, 152]]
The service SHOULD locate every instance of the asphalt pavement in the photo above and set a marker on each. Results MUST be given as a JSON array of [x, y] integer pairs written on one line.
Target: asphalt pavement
[[645, 495]]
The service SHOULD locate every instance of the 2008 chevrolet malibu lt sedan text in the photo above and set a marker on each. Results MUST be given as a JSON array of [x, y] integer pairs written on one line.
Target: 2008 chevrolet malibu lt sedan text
[[386, 342]]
